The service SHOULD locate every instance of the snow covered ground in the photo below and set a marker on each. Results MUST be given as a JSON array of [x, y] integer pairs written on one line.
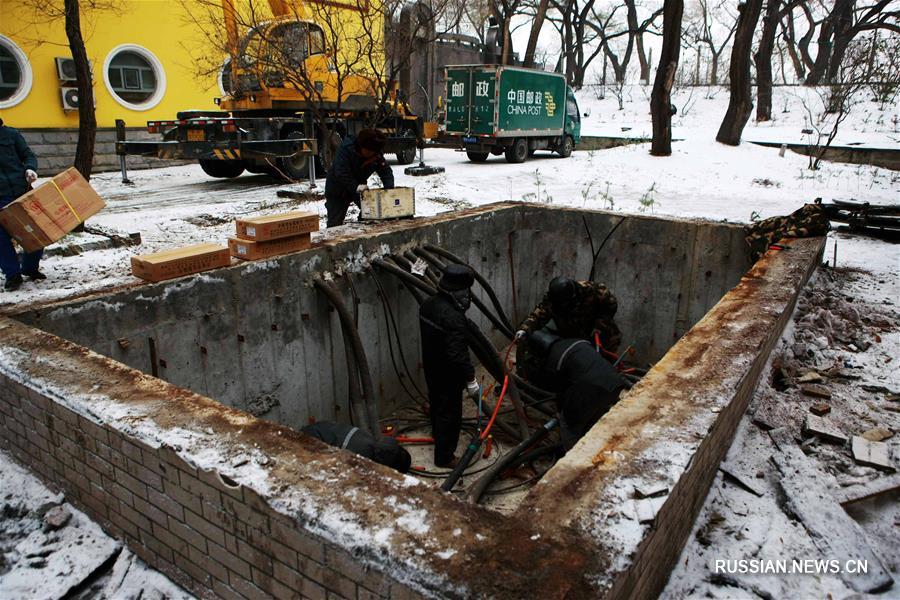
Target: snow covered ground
[[180, 205]]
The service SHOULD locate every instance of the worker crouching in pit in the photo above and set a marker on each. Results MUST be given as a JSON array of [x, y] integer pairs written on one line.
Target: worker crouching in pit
[[445, 358], [586, 384], [384, 450], [570, 309]]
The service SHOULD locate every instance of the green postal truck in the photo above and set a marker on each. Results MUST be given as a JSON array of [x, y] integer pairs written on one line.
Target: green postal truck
[[510, 110]]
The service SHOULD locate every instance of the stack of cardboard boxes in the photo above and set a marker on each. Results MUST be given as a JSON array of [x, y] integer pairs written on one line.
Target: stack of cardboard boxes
[[257, 238], [264, 237]]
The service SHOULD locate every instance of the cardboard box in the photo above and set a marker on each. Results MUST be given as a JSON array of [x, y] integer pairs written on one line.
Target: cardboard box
[[178, 262], [272, 227], [395, 203], [252, 250], [50, 211]]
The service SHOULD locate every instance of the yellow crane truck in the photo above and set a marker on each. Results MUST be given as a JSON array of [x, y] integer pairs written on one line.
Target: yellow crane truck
[[281, 101]]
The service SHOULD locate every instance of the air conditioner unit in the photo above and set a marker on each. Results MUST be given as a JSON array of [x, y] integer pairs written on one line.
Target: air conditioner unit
[[65, 68], [69, 98]]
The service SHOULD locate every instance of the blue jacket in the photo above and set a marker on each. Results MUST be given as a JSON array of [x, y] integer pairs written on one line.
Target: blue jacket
[[349, 170], [15, 158]]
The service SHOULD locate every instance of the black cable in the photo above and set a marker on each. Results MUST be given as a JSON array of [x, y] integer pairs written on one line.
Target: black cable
[[389, 322], [600, 249], [478, 277]]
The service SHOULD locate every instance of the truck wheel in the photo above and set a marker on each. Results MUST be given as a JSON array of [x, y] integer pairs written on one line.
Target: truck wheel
[[222, 168], [406, 156], [518, 152], [568, 145], [477, 156]]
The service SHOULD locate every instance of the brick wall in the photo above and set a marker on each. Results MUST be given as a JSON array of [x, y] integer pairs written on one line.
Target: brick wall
[[55, 150], [212, 538]]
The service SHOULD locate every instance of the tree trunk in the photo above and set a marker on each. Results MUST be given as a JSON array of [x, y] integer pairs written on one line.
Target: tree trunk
[[714, 69], [763, 61], [697, 67], [536, 27], [843, 35], [661, 97], [789, 42], [740, 104], [87, 120]]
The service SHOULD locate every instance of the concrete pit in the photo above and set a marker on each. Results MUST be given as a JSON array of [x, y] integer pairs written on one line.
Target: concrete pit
[[140, 404]]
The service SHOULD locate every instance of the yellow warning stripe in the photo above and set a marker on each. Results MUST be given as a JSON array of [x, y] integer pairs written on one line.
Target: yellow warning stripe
[[66, 200], [227, 154]]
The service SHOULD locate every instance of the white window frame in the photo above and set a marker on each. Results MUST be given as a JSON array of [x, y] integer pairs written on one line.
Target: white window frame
[[158, 71], [27, 77]]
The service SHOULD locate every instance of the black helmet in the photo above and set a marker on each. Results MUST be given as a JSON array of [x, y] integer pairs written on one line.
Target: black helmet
[[456, 278], [562, 293], [371, 139], [540, 342]]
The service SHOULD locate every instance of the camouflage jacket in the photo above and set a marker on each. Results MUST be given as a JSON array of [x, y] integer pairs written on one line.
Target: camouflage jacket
[[595, 307], [809, 221]]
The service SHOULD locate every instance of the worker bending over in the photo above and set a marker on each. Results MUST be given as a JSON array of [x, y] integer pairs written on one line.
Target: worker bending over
[[356, 159], [445, 357], [587, 386], [577, 309], [385, 450]]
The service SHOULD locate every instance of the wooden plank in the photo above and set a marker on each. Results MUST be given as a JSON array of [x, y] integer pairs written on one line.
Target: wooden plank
[[832, 531]]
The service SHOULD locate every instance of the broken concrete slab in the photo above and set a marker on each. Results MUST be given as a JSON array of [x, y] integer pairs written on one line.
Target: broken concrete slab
[[810, 377], [864, 491], [651, 490], [647, 508], [873, 454], [831, 529], [824, 428], [815, 390]]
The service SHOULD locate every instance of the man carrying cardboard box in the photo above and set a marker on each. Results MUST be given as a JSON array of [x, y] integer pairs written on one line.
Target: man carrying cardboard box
[[18, 167]]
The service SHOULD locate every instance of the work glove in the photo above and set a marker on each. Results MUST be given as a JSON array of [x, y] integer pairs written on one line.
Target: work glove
[[520, 335], [30, 176], [473, 390], [361, 188]]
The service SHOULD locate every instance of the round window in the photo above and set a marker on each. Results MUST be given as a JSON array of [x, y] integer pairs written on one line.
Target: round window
[[15, 74], [134, 77]]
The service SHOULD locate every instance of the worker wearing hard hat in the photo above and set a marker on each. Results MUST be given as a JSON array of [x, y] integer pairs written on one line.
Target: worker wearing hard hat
[[356, 159], [445, 358]]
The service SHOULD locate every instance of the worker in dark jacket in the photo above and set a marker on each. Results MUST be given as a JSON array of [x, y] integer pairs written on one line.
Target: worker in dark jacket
[[577, 308], [587, 386], [445, 357], [357, 158], [385, 450], [18, 167]]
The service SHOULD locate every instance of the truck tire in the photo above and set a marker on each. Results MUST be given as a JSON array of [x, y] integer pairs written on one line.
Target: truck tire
[[293, 168], [568, 145], [518, 152], [406, 156], [477, 156], [222, 168]]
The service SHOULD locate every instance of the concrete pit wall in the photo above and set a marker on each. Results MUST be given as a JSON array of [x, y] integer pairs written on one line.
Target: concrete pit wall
[[233, 506], [260, 338]]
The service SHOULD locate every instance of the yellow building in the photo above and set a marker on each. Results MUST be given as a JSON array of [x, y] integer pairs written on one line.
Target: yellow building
[[141, 54]]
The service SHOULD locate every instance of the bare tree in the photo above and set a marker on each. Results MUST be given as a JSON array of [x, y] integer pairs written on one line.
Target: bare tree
[[740, 104], [703, 31], [574, 23], [70, 12], [610, 29], [503, 12], [537, 24], [846, 21], [661, 98]]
